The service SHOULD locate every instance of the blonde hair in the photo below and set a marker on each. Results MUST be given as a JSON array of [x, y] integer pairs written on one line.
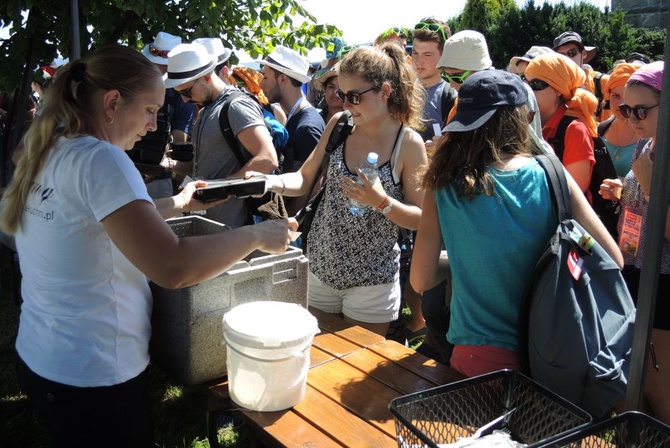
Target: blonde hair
[[70, 108], [387, 63]]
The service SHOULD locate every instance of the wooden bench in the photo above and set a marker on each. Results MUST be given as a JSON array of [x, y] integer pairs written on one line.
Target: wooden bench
[[353, 376]]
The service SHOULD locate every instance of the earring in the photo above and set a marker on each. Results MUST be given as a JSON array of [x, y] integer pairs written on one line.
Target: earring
[[109, 119]]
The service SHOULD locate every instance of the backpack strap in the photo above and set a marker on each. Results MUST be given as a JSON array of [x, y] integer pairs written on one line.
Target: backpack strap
[[603, 126], [558, 185], [338, 135], [226, 130], [558, 140], [448, 99]]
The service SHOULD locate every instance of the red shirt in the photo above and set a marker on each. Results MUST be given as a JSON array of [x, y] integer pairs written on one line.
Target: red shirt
[[578, 143]]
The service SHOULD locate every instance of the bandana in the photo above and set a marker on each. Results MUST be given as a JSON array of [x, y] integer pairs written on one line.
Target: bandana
[[650, 74], [567, 78]]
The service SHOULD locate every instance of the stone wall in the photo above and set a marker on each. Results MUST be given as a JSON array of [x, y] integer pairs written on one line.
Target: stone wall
[[645, 13]]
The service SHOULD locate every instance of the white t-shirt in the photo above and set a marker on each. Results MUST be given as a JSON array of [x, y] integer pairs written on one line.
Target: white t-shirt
[[85, 317]]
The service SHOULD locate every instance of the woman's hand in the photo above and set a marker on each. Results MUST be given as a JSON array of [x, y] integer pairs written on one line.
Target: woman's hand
[[368, 193], [275, 234], [191, 204], [611, 189]]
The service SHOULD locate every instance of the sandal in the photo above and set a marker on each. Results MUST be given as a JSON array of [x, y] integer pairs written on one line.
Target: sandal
[[414, 336]]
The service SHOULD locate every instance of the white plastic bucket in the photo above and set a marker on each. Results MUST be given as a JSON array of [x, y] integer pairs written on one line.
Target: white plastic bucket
[[267, 348]]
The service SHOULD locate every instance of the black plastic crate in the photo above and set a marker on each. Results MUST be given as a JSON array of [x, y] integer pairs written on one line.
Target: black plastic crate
[[446, 413], [627, 430]]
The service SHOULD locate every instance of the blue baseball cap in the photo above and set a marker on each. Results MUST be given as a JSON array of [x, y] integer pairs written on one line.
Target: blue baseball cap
[[482, 94]]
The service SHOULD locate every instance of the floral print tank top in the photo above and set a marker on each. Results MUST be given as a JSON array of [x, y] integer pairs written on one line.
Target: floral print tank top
[[347, 250]]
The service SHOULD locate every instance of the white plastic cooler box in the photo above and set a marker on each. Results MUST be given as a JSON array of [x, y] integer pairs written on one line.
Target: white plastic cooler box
[[187, 323]]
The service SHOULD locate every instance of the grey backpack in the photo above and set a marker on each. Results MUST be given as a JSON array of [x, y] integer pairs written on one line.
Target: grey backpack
[[575, 336]]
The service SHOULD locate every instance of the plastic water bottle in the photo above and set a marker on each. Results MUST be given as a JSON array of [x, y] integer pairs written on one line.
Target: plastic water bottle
[[371, 171]]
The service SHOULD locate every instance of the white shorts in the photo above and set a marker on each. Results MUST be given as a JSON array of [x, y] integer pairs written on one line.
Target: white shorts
[[371, 304]]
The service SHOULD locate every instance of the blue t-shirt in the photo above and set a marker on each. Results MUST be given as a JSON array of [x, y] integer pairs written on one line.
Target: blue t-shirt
[[304, 131], [432, 111], [493, 243]]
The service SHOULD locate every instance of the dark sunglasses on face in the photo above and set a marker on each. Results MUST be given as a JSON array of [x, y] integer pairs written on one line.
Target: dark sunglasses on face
[[353, 97], [640, 112], [456, 79], [537, 85], [186, 93], [571, 53], [158, 53], [432, 27]]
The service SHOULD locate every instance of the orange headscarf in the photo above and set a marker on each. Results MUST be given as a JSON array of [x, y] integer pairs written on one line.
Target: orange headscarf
[[252, 81], [618, 77], [567, 78]]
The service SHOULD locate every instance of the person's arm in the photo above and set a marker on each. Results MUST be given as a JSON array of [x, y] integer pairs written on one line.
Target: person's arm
[[258, 142], [183, 202], [143, 236], [299, 183], [424, 273], [584, 215]]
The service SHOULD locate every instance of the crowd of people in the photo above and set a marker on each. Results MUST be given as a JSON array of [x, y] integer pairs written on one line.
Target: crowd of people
[[454, 137]]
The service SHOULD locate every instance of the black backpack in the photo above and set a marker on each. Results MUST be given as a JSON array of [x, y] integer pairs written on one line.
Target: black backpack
[[603, 169], [270, 205], [576, 330], [275, 128]]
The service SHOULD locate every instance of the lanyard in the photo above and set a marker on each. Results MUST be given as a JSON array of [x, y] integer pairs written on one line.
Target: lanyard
[[295, 107]]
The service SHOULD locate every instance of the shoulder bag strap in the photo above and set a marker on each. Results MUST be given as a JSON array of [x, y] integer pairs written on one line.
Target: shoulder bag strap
[[558, 185]]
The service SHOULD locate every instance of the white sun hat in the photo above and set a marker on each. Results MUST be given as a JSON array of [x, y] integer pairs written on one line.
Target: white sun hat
[[187, 62], [157, 51], [290, 63]]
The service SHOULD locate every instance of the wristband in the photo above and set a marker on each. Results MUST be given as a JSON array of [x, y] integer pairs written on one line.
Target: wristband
[[385, 202]]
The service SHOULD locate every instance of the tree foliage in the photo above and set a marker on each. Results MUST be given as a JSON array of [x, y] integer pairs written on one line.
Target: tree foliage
[[256, 26], [511, 31]]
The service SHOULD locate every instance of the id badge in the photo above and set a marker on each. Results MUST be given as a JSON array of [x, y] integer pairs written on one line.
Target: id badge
[[629, 240]]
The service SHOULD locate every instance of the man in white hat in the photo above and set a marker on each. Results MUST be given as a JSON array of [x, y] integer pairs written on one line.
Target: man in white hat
[[174, 111], [284, 73], [214, 46], [190, 72]]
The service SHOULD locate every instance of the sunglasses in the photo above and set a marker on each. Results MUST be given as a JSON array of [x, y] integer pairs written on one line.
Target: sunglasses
[[158, 53], [522, 76], [571, 53], [346, 49], [353, 97], [456, 79], [432, 27], [395, 31], [186, 93], [640, 112], [537, 85]]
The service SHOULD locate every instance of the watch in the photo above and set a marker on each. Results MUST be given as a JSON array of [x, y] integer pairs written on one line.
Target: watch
[[386, 210]]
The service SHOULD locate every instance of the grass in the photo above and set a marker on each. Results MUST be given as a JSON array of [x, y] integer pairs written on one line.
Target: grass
[[179, 412]]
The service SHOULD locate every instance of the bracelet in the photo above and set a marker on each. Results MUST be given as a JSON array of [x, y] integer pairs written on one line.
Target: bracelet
[[384, 203]]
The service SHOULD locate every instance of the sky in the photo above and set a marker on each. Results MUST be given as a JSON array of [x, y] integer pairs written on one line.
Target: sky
[[362, 20]]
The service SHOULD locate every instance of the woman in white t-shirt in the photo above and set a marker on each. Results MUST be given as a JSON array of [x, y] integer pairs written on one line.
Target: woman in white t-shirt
[[88, 236]]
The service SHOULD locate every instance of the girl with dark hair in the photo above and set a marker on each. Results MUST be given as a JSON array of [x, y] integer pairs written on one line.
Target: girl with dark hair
[[488, 200]]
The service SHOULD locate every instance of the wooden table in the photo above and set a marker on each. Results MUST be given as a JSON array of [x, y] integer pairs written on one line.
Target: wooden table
[[353, 376]]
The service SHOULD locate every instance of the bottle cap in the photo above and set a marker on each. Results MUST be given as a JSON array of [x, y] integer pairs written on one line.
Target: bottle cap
[[373, 157]]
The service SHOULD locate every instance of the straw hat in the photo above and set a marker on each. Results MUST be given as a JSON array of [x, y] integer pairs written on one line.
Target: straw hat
[[157, 51], [187, 62], [214, 46], [289, 62]]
